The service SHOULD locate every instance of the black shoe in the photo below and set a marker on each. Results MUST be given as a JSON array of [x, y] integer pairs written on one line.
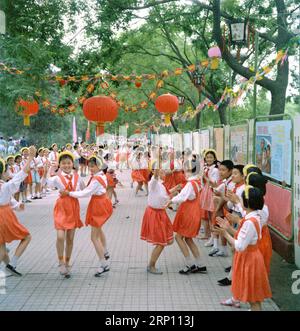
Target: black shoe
[[197, 269], [227, 269], [101, 270], [224, 282], [185, 270], [13, 270]]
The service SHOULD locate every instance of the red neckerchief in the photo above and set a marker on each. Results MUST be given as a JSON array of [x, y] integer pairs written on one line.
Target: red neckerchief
[[237, 186], [68, 185]]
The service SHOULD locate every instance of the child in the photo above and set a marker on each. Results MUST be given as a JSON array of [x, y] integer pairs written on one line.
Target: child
[[157, 227], [17, 168], [225, 172], [35, 173], [249, 278], [98, 212], [111, 177], [265, 244], [188, 218], [53, 158], [138, 173], [210, 178], [28, 181], [66, 210], [234, 197], [10, 228]]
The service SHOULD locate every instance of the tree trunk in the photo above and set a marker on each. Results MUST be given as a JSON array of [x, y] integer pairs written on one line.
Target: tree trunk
[[173, 125], [222, 113], [278, 100]]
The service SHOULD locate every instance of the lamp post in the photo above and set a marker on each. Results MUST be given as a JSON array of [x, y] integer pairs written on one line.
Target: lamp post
[[239, 36], [181, 100]]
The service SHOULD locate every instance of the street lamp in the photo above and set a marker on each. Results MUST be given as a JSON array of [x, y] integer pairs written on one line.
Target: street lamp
[[181, 99], [238, 32]]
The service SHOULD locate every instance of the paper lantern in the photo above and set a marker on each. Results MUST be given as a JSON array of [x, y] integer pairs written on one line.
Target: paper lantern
[[138, 84], [28, 108], [167, 104], [214, 53], [100, 109]]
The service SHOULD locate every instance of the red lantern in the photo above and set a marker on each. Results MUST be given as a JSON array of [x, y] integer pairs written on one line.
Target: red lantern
[[29, 108], [137, 131], [167, 104], [138, 84], [100, 109]]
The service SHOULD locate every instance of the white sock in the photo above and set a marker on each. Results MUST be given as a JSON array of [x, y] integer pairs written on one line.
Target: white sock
[[103, 263], [188, 261], [14, 261], [198, 261], [224, 249], [105, 250], [230, 275], [216, 240]]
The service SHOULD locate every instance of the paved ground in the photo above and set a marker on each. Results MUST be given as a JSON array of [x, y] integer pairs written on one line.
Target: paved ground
[[127, 286]]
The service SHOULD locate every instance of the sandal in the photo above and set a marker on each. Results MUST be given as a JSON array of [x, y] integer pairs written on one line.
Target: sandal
[[231, 303]]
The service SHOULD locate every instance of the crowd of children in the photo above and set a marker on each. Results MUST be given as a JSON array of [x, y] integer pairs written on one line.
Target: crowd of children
[[225, 200]]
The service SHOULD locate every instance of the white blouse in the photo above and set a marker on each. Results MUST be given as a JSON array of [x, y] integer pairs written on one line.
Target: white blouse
[[188, 192], [237, 206], [158, 196], [94, 188], [8, 189], [213, 173], [248, 234], [55, 181]]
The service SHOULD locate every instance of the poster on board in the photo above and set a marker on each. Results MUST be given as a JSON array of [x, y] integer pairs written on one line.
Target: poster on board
[[219, 143], [297, 191], [204, 140], [165, 140], [197, 142], [187, 141], [273, 149], [177, 142], [239, 144]]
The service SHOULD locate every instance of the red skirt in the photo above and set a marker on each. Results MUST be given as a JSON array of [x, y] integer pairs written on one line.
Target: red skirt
[[179, 177], [139, 176], [156, 227], [41, 172], [67, 214], [110, 181], [28, 179], [169, 181], [187, 221], [99, 210], [249, 278], [206, 201], [265, 247], [10, 227]]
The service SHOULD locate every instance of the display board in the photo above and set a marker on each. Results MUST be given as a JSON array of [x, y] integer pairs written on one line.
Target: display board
[[273, 149], [297, 190], [188, 141], [219, 143], [239, 144]]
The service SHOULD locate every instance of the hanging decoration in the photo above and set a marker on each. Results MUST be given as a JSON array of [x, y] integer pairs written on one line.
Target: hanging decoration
[[100, 109], [27, 109], [167, 104]]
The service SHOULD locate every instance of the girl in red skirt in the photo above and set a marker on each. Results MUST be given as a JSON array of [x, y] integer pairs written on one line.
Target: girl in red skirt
[[210, 178], [140, 172], [98, 212], [66, 210], [10, 228], [188, 218], [156, 227], [265, 244], [249, 276]]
